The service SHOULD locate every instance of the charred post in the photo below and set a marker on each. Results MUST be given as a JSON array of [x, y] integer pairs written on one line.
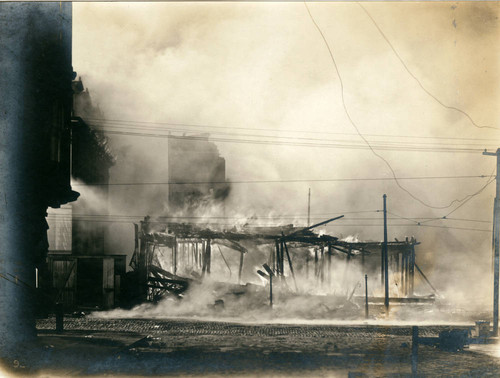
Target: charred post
[[209, 255], [412, 268], [330, 264], [290, 265], [242, 256]]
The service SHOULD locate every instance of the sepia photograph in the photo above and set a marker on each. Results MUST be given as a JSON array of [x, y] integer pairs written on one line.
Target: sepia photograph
[[250, 189]]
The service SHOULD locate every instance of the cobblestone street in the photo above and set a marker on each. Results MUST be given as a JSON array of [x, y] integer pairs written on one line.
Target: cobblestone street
[[124, 347]]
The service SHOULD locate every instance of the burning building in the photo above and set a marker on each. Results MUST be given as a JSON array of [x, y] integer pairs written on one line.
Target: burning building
[[196, 175], [170, 259], [80, 271]]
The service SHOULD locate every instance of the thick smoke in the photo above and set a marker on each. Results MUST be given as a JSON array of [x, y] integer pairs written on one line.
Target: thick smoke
[[265, 66]]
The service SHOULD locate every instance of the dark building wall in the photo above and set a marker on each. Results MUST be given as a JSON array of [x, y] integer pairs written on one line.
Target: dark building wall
[[198, 161], [35, 106], [91, 162]]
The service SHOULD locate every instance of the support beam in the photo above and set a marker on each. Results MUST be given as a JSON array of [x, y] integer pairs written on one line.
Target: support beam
[[209, 255], [342, 249], [407, 273], [322, 266], [242, 255], [329, 265], [204, 259], [202, 256], [282, 259], [315, 263], [196, 254], [314, 225], [273, 259], [412, 269], [290, 265], [277, 262], [425, 278], [401, 271], [174, 256], [225, 261]]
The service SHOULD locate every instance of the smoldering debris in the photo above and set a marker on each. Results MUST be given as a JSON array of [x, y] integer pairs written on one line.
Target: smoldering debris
[[262, 273], [246, 302]]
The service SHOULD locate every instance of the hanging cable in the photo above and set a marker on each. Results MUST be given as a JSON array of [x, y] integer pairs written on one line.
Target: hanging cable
[[419, 82], [361, 135]]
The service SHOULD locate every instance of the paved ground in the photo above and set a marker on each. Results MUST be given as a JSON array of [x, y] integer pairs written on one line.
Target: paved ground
[[133, 347]]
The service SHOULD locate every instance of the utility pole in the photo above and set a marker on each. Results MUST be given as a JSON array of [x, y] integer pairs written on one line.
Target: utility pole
[[386, 261], [366, 296], [271, 275], [309, 208], [496, 232]]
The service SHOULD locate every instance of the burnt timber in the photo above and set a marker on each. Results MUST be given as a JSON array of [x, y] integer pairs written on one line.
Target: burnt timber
[[192, 244]]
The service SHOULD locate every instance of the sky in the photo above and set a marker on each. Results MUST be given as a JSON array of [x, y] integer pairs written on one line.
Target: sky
[[265, 66]]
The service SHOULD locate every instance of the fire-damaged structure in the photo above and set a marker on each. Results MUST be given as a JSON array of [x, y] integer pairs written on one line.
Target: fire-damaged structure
[[80, 273], [170, 257], [196, 173]]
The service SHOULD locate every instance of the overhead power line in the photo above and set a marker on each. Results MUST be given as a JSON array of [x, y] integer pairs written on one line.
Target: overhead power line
[[280, 225], [106, 126], [204, 127], [302, 144], [361, 135], [280, 181], [464, 113], [445, 217], [161, 219]]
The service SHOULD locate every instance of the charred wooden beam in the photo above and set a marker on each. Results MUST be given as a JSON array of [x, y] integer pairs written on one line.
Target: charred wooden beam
[[158, 270], [225, 261], [314, 225], [329, 264], [322, 266], [425, 278], [282, 255], [209, 255], [278, 259], [290, 265], [231, 244], [242, 255], [196, 254], [316, 271], [174, 256], [340, 249], [412, 268]]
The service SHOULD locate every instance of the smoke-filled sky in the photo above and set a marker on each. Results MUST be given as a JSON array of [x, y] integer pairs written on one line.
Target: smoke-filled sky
[[266, 66]]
